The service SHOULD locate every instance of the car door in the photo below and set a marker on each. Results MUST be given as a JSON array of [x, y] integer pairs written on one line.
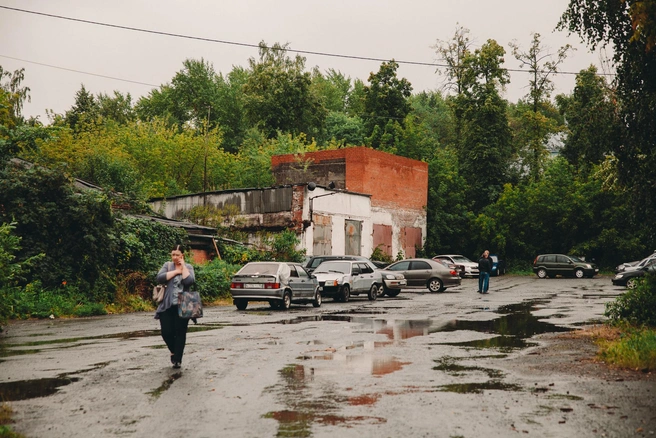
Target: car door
[[298, 284], [367, 276], [402, 267], [564, 265], [309, 284], [421, 272]]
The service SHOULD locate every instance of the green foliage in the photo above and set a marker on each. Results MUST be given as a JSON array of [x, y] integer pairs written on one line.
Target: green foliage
[[385, 102], [278, 94], [273, 247], [635, 306], [379, 254], [636, 349], [213, 279]]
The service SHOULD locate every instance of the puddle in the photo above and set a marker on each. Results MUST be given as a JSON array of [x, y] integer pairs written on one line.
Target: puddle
[[155, 393], [29, 389], [307, 405]]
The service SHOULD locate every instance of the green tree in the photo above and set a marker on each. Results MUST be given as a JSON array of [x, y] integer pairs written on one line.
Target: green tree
[[118, 107], [591, 115], [630, 28], [85, 110], [15, 95], [537, 126], [386, 104], [485, 151], [279, 94]]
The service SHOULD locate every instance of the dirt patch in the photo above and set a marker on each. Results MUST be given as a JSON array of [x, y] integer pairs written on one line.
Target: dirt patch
[[575, 353]]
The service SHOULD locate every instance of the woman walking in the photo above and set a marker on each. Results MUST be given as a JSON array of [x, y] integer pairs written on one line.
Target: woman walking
[[178, 276], [484, 270]]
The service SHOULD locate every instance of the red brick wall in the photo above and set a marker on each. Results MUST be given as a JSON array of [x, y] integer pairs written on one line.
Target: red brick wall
[[389, 179]]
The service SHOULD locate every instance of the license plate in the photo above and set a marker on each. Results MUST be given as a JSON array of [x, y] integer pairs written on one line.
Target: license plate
[[253, 286]]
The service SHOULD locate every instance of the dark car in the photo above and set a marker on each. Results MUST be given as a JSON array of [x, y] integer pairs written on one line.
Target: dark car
[[550, 265], [630, 278], [629, 266], [425, 273], [498, 265]]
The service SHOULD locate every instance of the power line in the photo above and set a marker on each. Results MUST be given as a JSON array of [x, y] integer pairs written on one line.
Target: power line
[[80, 71], [257, 46]]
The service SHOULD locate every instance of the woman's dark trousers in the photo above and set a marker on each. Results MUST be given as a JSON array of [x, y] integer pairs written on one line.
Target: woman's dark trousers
[[174, 332]]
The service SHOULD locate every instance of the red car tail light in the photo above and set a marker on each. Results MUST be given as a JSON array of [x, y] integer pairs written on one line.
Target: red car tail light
[[453, 273], [272, 285], [236, 285]]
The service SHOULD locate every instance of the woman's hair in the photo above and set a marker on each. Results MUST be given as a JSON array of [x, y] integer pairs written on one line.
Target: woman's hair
[[179, 247]]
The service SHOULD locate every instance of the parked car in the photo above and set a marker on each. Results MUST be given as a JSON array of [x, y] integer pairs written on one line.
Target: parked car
[[550, 265], [498, 265], [636, 264], [470, 268], [340, 279], [630, 278], [279, 283], [425, 273], [315, 261]]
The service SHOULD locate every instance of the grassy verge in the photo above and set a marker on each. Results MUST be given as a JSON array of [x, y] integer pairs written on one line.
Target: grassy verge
[[625, 346], [5, 421]]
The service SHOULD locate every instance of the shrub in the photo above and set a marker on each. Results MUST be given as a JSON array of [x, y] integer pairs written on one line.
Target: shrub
[[213, 279], [635, 349], [635, 306]]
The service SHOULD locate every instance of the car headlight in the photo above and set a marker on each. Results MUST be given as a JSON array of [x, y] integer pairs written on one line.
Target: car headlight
[[389, 277], [619, 276], [588, 266]]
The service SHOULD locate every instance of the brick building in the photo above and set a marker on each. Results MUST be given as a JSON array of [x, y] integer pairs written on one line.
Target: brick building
[[398, 188]]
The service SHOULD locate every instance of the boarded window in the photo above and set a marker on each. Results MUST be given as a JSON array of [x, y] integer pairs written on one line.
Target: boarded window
[[323, 232], [352, 233]]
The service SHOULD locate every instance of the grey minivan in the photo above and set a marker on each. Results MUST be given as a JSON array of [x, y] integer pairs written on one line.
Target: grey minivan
[[550, 265]]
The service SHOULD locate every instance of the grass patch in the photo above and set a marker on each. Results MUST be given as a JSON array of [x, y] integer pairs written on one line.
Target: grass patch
[[633, 348], [5, 420]]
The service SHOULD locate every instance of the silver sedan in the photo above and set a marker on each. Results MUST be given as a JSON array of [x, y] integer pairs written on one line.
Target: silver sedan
[[425, 273]]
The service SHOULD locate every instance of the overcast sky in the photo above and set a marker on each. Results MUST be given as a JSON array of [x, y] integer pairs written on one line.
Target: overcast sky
[[386, 29]]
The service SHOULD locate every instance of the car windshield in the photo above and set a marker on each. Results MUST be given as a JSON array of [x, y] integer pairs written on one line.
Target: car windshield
[[461, 259], [259, 269], [576, 259], [343, 267]]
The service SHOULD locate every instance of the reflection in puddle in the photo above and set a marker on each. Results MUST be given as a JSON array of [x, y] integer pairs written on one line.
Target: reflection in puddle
[[155, 393], [448, 365], [304, 408]]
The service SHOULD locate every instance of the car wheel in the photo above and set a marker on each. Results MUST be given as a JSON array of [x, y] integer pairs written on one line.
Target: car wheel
[[317, 298], [241, 304], [579, 273], [346, 294], [435, 285], [286, 301], [631, 283], [542, 273], [373, 292]]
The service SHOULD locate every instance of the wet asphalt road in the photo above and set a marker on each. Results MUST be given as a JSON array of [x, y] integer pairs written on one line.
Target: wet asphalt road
[[419, 365]]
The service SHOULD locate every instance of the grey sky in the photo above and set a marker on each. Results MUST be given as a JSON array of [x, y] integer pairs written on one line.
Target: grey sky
[[369, 28]]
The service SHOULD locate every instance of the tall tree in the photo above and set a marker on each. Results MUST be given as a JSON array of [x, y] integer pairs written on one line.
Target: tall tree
[[629, 27], [386, 103], [85, 110], [537, 126], [279, 96], [485, 151], [591, 116]]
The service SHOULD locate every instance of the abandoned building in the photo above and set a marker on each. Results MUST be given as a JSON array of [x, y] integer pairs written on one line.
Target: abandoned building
[[343, 201]]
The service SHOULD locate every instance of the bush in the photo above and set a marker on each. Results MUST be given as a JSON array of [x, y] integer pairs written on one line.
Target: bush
[[635, 306], [213, 279], [635, 349]]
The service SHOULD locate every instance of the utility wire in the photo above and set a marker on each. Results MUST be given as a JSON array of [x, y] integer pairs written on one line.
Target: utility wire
[[80, 71], [257, 46]]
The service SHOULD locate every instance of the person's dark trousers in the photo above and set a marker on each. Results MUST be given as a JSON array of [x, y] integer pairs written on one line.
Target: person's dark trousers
[[174, 332], [483, 281]]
